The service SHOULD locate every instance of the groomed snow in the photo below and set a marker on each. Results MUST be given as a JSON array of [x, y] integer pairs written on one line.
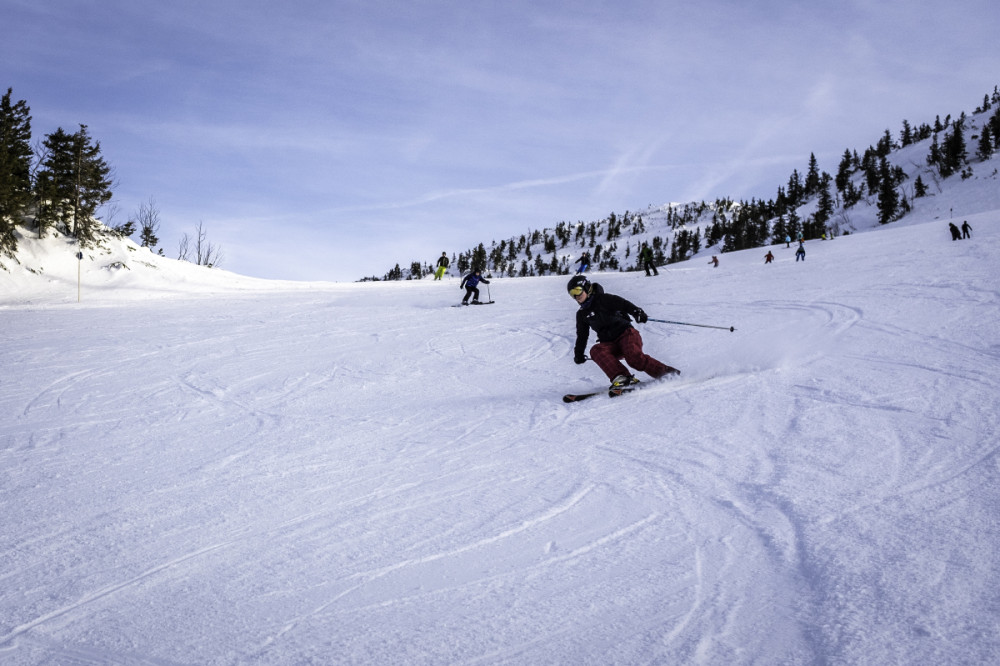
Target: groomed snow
[[219, 470]]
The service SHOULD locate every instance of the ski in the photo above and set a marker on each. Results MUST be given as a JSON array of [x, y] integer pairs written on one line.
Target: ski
[[577, 397], [460, 305], [612, 393]]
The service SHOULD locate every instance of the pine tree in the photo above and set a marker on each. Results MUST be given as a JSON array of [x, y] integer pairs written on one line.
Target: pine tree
[[884, 146], [906, 137], [985, 144], [794, 225], [934, 154], [812, 176], [852, 194], [888, 198], [994, 125], [825, 207], [795, 189], [779, 231], [479, 258], [844, 171], [15, 168], [54, 181], [953, 153], [74, 181], [870, 164]]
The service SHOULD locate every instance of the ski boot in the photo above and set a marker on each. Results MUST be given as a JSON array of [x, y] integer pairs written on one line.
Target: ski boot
[[622, 384]]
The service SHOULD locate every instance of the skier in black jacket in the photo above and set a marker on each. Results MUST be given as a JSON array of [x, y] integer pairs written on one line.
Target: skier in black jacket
[[608, 315]]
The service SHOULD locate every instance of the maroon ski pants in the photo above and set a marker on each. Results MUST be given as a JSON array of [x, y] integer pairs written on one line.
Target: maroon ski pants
[[608, 355]]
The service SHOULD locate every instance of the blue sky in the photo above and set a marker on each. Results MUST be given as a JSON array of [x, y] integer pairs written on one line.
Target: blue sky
[[329, 140]]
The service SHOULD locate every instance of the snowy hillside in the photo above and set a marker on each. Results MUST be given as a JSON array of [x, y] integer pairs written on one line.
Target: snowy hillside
[[47, 272], [199, 468], [614, 242]]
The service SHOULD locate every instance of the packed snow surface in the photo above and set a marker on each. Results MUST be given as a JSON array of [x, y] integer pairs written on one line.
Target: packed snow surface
[[236, 471]]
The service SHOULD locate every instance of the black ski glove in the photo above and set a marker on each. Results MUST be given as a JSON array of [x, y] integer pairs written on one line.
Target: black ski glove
[[579, 359], [640, 316]]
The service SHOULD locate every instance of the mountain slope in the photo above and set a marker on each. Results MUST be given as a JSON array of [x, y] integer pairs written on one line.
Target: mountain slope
[[359, 473], [616, 247]]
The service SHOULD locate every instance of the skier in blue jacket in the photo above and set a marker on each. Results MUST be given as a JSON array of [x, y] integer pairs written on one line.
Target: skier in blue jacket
[[469, 283]]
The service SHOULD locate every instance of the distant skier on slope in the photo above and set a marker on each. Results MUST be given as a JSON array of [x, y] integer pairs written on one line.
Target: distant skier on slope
[[470, 283], [966, 228], [955, 233], [442, 266], [646, 258], [608, 315]]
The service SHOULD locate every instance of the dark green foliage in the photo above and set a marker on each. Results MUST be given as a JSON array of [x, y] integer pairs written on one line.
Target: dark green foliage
[[479, 258], [906, 137], [15, 168], [796, 190], [888, 198], [812, 183], [825, 207], [953, 153], [934, 153], [682, 248], [844, 172], [779, 230], [794, 224], [73, 182], [852, 194], [985, 150], [884, 146], [994, 125], [124, 230], [870, 166]]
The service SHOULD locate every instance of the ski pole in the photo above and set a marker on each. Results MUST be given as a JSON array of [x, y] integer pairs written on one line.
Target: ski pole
[[684, 323]]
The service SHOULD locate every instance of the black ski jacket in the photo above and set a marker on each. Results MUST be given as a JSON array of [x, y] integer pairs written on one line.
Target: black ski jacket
[[607, 314]]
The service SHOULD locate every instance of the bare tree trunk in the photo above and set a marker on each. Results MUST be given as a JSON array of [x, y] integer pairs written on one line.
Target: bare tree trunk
[[205, 254]]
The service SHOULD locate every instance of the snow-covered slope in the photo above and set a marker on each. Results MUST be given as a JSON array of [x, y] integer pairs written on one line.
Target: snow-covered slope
[[293, 473], [962, 194], [47, 271]]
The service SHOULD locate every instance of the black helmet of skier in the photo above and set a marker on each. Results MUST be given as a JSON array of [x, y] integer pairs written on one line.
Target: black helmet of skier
[[576, 284]]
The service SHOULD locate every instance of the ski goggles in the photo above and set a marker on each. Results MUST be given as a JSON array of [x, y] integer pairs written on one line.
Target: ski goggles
[[575, 291]]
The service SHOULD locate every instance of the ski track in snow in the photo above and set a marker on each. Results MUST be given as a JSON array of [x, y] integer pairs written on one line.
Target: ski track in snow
[[367, 475]]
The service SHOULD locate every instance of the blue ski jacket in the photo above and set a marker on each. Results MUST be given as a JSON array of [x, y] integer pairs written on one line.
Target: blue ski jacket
[[471, 280]]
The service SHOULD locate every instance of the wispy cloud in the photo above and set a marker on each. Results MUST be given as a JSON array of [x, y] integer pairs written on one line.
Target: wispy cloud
[[444, 117]]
